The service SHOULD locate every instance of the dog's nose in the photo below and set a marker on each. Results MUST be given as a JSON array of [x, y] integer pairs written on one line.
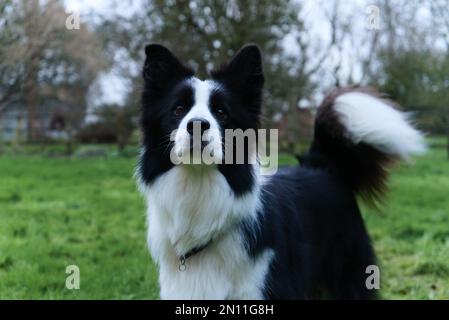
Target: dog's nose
[[202, 123]]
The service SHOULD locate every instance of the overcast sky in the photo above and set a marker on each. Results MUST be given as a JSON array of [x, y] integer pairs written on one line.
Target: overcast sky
[[356, 12], [113, 88]]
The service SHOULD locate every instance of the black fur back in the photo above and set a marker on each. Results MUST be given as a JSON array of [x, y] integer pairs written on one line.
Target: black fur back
[[316, 231]]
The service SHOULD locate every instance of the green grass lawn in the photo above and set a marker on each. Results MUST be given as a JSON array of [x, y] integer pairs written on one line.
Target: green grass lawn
[[56, 212]]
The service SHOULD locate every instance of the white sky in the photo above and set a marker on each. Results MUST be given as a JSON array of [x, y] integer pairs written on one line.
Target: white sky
[[354, 12], [113, 87]]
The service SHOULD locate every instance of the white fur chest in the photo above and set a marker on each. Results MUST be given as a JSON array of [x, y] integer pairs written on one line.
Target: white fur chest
[[186, 208]]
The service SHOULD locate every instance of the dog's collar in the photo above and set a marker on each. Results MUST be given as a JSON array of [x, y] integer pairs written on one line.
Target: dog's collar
[[192, 252]]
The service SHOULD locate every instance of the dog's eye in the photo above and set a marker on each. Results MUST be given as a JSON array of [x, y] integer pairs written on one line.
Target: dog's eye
[[221, 114], [179, 111]]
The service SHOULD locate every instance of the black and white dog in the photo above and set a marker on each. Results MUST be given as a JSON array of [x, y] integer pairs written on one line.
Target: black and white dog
[[224, 231]]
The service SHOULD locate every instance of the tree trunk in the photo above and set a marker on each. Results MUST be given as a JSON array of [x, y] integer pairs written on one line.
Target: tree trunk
[[31, 84], [446, 122], [18, 135], [70, 143], [31, 99], [69, 147], [447, 143], [120, 144], [1, 133]]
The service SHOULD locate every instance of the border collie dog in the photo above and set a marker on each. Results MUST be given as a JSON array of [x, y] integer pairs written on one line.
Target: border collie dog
[[224, 230]]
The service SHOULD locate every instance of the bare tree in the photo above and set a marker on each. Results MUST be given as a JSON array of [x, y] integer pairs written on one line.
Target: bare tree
[[440, 26], [44, 59]]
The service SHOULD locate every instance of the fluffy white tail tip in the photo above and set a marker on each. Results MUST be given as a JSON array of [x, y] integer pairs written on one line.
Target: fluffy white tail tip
[[376, 122]]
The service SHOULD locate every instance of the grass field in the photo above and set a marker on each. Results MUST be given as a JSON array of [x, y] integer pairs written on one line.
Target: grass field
[[56, 212]]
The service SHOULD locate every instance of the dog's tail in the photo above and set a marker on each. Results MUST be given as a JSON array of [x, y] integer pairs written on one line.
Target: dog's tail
[[358, 135]]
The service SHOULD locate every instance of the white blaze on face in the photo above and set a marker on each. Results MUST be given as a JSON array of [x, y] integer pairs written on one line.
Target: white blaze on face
[[211, 138]]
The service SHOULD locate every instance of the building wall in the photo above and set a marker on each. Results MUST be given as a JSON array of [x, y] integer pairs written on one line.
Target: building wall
[[13, 122]]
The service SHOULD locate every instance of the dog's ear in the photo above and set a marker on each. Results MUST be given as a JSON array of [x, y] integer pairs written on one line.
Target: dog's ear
[[245, 70], [162, 68]]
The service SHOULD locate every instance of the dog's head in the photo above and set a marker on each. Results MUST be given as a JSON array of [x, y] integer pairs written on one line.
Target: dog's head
[[182, 114]]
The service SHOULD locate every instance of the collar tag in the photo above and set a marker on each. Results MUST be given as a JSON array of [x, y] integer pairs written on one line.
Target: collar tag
[[182, 263], [184, 257]]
